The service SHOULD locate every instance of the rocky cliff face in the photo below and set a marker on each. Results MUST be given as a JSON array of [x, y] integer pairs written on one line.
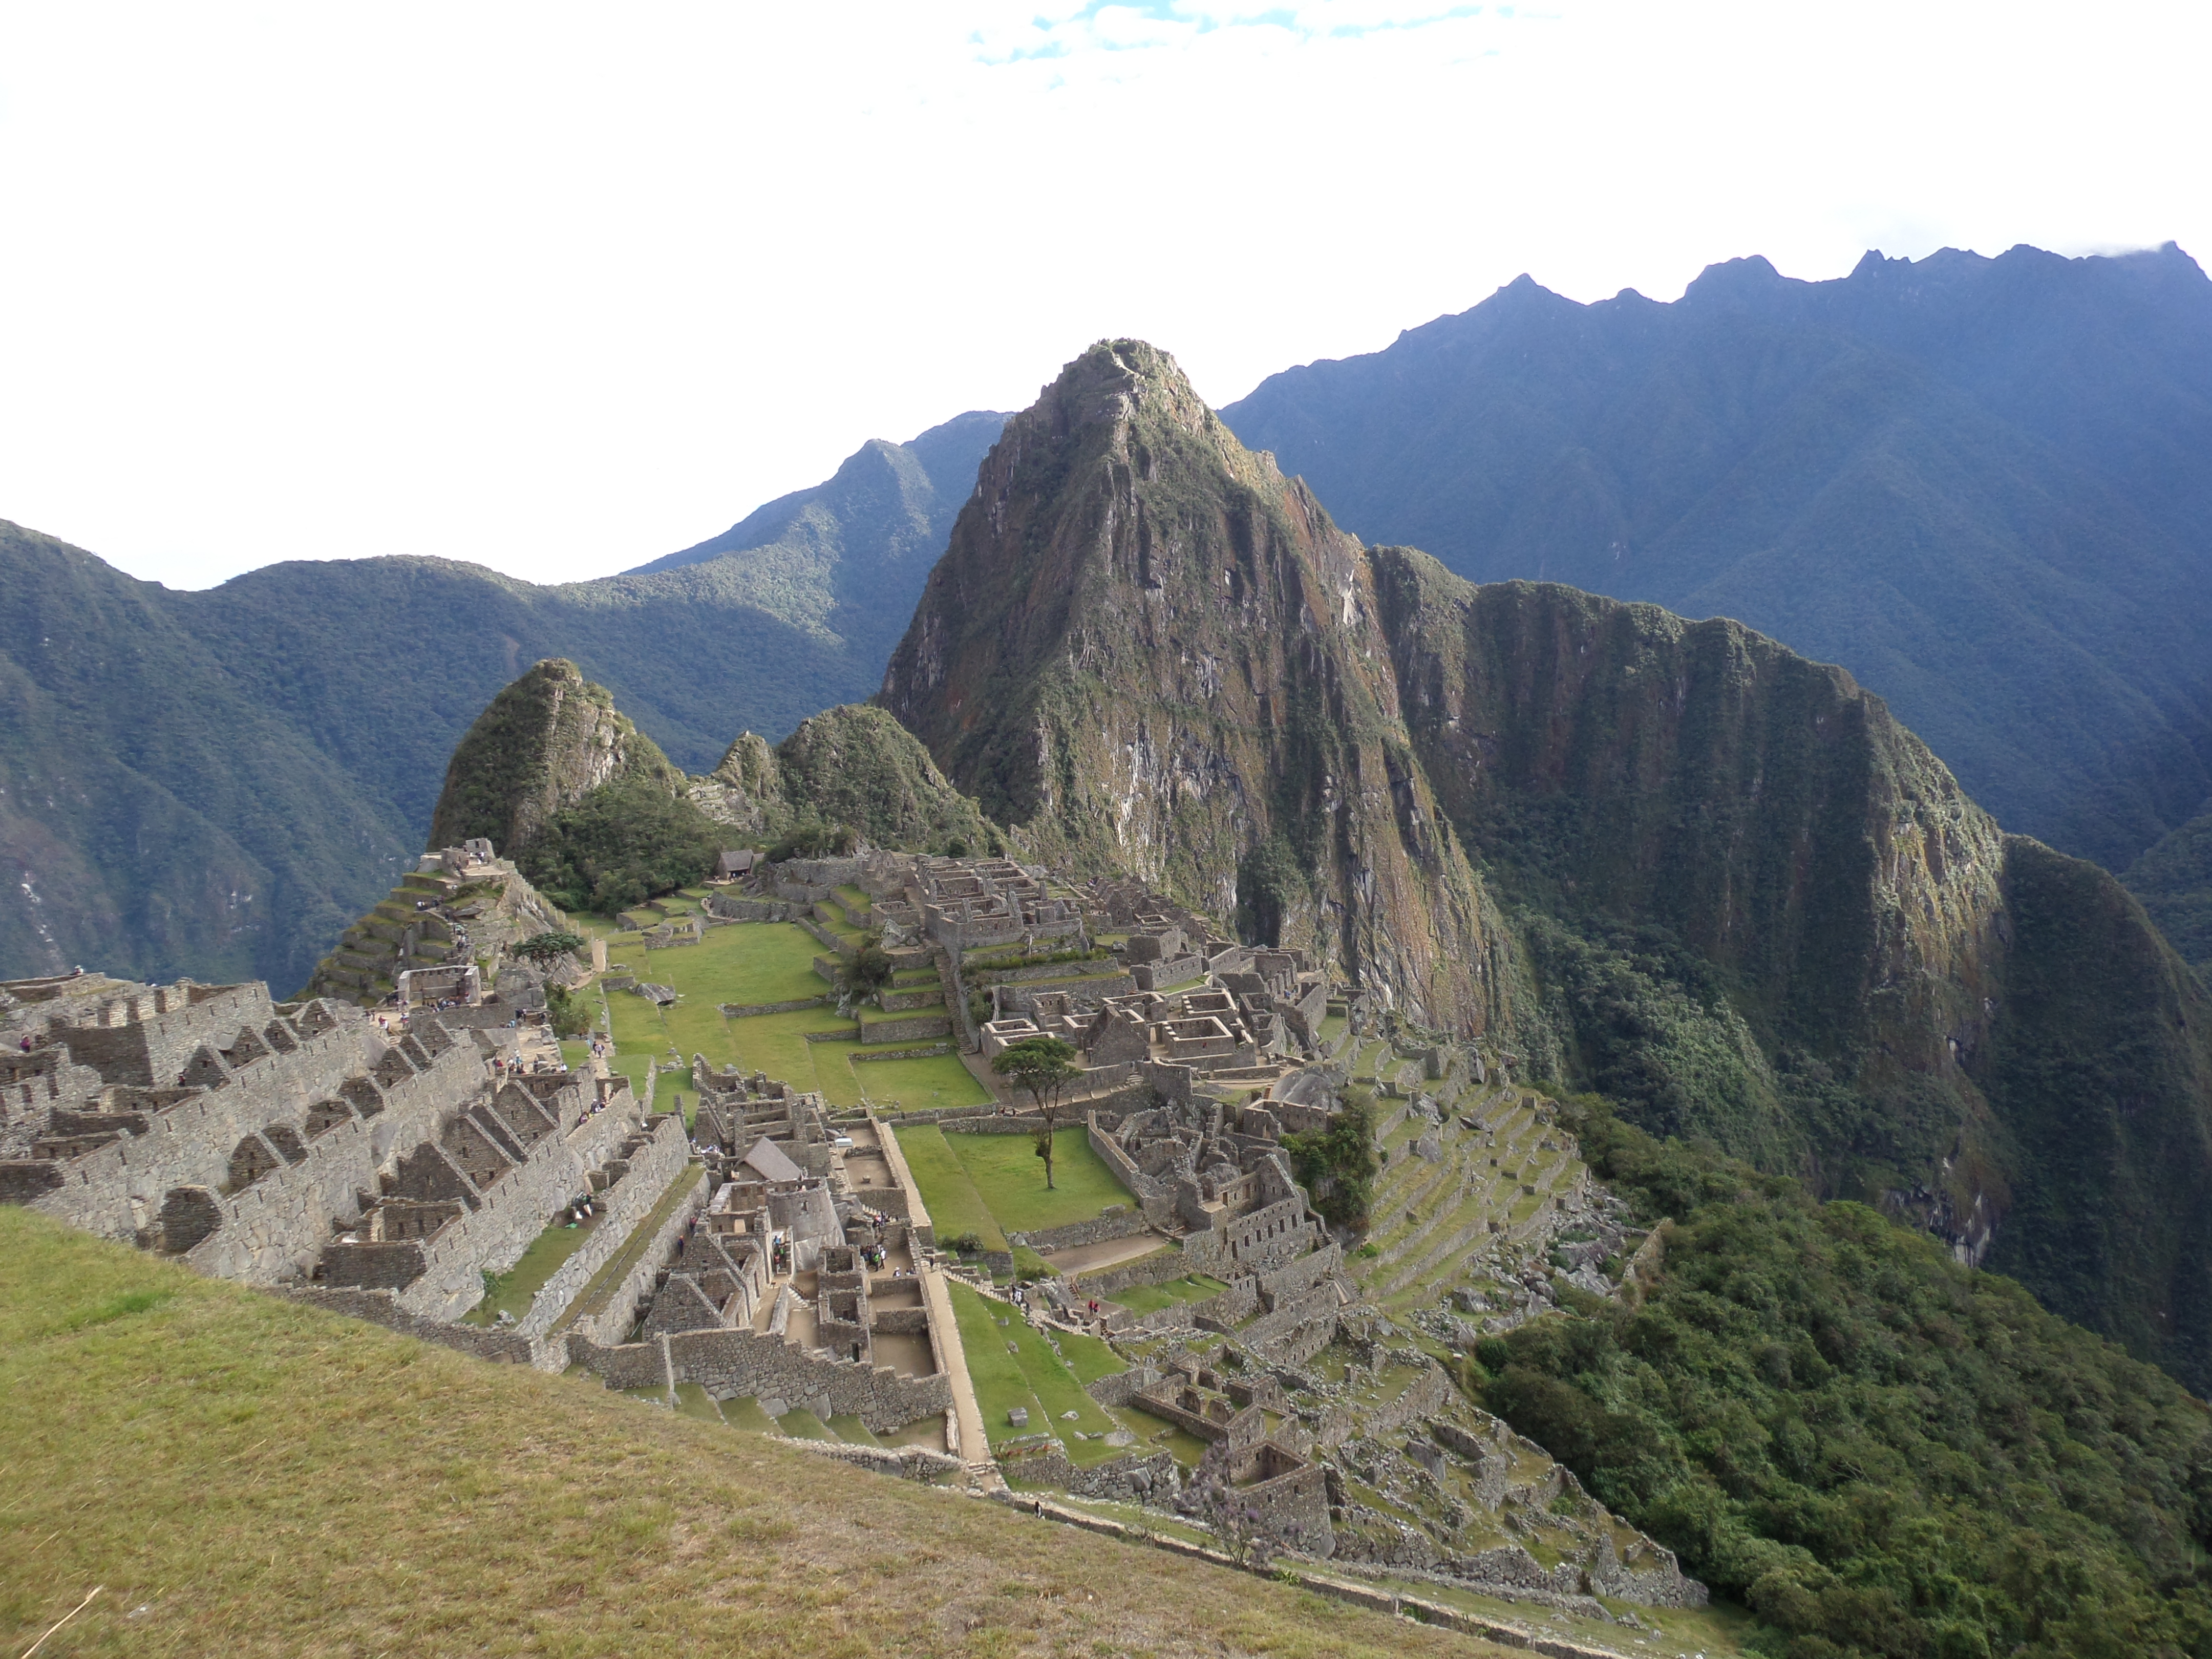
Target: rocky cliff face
[[543, 744], [1761, 807], [1149, 652]]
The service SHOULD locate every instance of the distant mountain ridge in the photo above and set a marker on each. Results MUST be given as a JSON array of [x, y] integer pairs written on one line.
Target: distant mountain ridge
[[217, 783], [1983, 486]]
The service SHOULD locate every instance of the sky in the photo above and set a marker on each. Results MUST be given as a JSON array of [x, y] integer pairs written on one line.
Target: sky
[[558, 289]]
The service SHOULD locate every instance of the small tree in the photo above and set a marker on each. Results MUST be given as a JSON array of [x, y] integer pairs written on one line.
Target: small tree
[[542, 948], [864, 974], [1042, 1065]]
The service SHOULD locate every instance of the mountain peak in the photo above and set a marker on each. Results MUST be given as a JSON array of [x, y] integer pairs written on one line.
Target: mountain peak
[[1153, 655]]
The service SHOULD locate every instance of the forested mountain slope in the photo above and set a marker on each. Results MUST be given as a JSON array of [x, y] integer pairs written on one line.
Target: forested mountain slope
[[1983, 486], [216, 783]]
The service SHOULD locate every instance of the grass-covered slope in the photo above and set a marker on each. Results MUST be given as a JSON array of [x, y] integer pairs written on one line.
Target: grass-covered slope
[[1978, 484], [1885, 1452], [240, 1475]]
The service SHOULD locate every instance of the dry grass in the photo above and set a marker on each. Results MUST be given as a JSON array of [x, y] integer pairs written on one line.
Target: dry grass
[[244, 1476]]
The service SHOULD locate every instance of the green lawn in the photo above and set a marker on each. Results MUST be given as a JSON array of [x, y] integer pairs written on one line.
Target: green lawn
[[926, 1084], [1010, 1175], [1011, 1365], [993, 1370], [954, 1204], [1151, 1298]]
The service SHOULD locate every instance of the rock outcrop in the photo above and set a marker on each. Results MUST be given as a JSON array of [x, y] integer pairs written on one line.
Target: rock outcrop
[[543, 743], [1154, 654]]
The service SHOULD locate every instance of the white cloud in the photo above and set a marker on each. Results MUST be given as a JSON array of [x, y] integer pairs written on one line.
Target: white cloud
[[557, 290]]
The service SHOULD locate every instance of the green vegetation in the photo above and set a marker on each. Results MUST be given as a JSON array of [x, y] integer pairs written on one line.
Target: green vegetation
[[1013, 1364], [955, 1208], [749, 963], [1151, 1298], [542, 948], [1042, 1065], [865, 972], [571, 1012], [511, 1292], [294, 724], [1004, 1168], [2174, 879], [621, 843], [1884, 1452], [1336, 1164]]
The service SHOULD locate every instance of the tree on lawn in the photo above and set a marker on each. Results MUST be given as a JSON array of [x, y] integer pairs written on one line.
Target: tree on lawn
[[863, 975], [1042, 1065], [542, 948]]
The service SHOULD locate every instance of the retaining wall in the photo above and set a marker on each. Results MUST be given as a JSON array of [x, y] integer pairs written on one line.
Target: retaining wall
[[616, 1312], [622, 1207]]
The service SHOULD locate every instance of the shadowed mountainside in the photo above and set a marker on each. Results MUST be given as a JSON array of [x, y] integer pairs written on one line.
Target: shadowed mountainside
[[1984, 486]]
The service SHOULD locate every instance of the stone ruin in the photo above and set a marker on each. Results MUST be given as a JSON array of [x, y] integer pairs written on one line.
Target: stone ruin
[[296, 1143]]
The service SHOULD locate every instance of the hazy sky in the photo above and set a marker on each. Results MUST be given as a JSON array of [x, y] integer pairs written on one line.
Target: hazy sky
[[560, 289]]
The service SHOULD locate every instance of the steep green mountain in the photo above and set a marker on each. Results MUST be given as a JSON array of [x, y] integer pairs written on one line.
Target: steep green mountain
[[2174, 879], [1984, 486], [1151, 652], [214, 784], [1673, 860], [544, 743], [850, 765]]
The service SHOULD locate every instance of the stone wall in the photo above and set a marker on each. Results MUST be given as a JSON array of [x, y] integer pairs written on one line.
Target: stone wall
[[1116, 1221], [723, 907], [924, 1234], [1022, 999], [514, 1211], [925, 1051], [914, 1028], [1156, 1197], [745, 1010], [117, 1190], [1296, 1329], [823, 936], [1147, 1478], [622, 1207], [732, 1364], [1155, 1269], [608, 1323]]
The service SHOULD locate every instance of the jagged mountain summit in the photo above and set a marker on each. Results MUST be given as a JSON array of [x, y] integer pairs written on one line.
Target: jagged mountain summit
[[1156, 654], [1979, 485], [1672, 860]]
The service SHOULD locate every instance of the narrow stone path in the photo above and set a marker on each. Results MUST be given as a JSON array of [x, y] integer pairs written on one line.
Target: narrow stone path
[[975, 1446]]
